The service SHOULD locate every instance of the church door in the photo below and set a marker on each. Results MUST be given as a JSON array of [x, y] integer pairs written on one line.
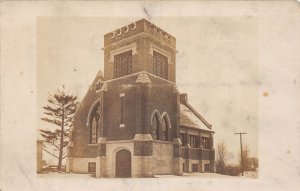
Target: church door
[[123, 164]]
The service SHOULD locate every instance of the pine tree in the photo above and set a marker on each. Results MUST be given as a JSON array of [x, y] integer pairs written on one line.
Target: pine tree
[[60, 110]]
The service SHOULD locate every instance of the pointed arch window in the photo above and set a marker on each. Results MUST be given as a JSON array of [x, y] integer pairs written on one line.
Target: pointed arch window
[[155, 127], [164, 129], [94, 124]]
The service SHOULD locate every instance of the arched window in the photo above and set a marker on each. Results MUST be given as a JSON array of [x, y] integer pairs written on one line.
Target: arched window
[[164, 129], [94, 124], [155, 127]]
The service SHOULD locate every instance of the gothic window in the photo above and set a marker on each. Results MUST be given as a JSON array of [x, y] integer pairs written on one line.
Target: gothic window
[[164, 129], [123, 64], [94, 124], [155, 127], [160, 65]]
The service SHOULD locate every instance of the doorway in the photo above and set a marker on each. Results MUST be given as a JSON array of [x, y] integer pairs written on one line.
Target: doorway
[[123, 164]]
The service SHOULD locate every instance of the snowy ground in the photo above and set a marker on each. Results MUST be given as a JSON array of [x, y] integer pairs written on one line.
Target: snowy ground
[[249, 174]]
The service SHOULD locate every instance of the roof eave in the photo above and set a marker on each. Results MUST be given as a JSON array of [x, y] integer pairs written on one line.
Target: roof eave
[[196, 128]]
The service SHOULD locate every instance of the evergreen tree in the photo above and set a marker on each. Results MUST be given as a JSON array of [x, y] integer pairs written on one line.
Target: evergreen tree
[[59, 111]]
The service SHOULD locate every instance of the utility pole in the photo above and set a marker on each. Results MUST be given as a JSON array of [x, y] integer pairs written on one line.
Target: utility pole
[[241, 143]]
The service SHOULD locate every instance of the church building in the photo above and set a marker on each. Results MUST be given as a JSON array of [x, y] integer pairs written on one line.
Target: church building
[[133, 121]]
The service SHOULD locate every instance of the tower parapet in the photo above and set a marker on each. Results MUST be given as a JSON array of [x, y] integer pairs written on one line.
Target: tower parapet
[[139, 46], [141, 26]]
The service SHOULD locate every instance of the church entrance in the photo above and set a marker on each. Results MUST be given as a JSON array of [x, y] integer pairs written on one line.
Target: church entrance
[[123, 164]]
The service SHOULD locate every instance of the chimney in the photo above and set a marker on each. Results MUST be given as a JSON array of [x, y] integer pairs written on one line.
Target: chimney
[[183, 97]]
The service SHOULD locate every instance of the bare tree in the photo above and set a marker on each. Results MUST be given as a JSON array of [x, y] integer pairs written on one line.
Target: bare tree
[[221, 157], [59, 112]]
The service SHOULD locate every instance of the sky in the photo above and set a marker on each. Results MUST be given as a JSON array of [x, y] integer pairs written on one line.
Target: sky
[[217, 66]]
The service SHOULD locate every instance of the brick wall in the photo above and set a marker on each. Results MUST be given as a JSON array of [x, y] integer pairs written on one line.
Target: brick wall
[[140, 40], [161, 97]]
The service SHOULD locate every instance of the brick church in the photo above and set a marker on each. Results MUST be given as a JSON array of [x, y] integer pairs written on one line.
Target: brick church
[[133, 121]]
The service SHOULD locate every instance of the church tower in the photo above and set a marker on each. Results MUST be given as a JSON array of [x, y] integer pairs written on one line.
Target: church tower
[[139, 46], [133, 122]]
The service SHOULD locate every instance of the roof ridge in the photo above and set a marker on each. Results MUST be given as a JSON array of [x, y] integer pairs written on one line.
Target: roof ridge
[[198, 115]]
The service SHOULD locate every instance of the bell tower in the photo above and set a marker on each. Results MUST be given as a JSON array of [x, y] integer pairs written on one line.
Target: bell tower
[[139, 46]]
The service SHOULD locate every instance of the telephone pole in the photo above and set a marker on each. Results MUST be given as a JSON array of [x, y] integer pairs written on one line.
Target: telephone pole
[[241, 143]]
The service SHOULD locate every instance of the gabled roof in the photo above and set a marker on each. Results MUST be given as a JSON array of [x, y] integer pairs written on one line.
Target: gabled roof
[[189, 117]]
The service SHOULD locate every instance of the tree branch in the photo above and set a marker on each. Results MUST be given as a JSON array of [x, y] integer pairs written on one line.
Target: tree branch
[[49, 153]]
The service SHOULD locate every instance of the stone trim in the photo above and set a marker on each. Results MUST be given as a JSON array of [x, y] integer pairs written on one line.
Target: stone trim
[[80, 165], [111, 149], [91, 110], [121, 50], [104, 87], [143, 137], [121, 141], [143, 78], [102, 140], [161, 51], [133, 74], [164, 142], [175, 89], [142, 157], [153, 114], [177, 141], [143, 34], [92, 145], [165, 114]]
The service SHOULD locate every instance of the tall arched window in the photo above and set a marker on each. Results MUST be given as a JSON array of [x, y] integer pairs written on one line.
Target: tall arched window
[[94, 124], [164, 129], [155, 127]]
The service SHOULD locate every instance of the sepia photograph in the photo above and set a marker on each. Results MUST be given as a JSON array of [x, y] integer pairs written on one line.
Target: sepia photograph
[[152, 95], [120, 106]]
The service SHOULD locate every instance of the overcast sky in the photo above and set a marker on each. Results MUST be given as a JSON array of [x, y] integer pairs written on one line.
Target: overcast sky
[[216, 65]]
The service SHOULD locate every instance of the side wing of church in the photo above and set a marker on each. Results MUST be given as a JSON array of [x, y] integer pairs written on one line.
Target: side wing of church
[[133, 122]]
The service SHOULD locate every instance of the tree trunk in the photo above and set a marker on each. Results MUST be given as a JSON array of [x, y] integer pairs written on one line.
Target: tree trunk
[[61, 146]]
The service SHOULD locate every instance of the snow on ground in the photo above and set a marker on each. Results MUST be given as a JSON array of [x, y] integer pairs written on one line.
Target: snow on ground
[[200, 175], [249, 174]]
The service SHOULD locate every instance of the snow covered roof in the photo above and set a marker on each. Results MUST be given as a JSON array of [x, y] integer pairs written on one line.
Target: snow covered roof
[[189, 118]]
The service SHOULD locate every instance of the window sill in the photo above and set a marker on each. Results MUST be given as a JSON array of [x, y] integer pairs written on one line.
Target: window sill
[[93, 144], [162, 141]]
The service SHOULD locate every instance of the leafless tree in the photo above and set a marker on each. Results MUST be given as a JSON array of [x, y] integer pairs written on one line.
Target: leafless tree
[[221, 157]]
